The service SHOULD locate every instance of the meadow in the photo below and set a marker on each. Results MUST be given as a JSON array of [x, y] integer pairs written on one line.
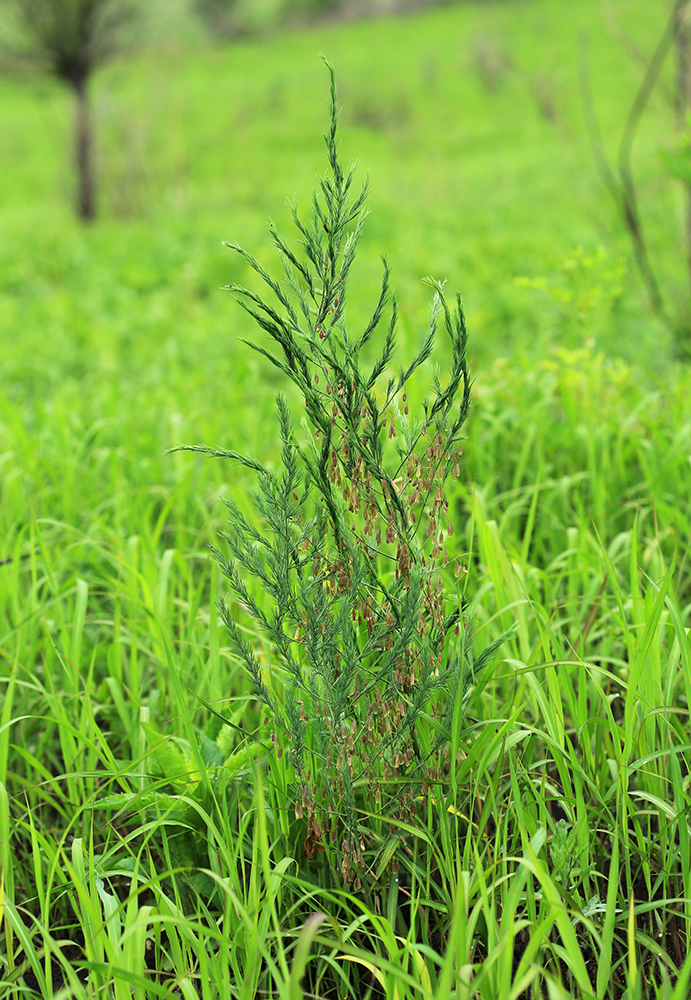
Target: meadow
[[151, 841]]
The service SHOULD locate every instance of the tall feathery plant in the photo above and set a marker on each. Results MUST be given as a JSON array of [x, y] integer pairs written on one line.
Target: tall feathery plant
[[369, 662]]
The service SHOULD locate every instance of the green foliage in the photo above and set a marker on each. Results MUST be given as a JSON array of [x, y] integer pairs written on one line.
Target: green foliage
[[677, 158], [584, 288], [352, 535], [582, 723], [138, 290], [572, 514]]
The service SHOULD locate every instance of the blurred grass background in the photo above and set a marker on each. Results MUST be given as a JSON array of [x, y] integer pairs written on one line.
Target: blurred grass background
[[469, 117]]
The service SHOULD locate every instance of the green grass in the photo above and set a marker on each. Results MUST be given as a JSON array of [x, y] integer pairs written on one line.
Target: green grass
[[470, 183], [142, 858]]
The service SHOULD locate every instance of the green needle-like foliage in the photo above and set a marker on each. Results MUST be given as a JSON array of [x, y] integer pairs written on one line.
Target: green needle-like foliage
[[369, 660]]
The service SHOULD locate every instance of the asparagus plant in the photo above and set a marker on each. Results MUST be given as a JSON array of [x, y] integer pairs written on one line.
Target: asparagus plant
[[351, 546]]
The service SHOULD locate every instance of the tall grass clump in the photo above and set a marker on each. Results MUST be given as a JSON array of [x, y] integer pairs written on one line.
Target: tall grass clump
[[369, 661]]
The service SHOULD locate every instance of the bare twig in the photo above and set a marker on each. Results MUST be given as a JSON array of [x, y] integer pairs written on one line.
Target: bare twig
[[622, 187]]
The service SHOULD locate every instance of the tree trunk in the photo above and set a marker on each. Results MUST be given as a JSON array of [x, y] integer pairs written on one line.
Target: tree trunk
[[83, 150]]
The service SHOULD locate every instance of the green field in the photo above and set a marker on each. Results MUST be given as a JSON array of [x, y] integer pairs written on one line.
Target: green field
[[147, 850]]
